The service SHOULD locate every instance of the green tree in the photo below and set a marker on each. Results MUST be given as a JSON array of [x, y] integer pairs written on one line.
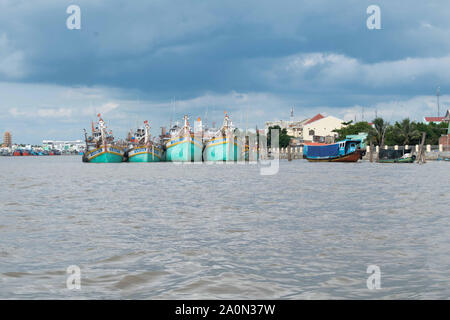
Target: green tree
[[405, 132], [378, 136], [356, 128], [284, 138], [433, 130]]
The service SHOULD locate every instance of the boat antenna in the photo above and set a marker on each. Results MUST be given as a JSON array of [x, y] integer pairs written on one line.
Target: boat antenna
[[438, 93], [246, 120], [173, 111]]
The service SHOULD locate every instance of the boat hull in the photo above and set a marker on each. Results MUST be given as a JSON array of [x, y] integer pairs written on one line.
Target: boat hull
[[221, 149], [351, 157], [105, 154], [184, 149], [145, 154]]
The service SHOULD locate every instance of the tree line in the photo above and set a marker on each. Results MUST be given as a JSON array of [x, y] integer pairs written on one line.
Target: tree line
[[404, 132]]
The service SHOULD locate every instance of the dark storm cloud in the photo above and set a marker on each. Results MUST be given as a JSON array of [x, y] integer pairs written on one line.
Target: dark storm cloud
[[188, 47]]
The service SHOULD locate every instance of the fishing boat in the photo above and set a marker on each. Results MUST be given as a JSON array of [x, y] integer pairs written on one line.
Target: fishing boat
[[101, 147], [142, 148], [224, 145], [342, 151], [396, 156], [182, 145]]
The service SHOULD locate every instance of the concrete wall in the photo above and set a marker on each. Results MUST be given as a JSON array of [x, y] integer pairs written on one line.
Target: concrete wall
[[431, 152]]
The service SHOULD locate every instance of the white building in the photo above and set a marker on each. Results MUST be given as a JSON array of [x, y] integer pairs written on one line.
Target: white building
[[316, 129], [76, 145], [321, 128], [293, 127]]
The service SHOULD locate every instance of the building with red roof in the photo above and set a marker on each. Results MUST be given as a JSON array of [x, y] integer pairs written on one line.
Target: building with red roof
[[315, 118], [318, 129], [445, 118]]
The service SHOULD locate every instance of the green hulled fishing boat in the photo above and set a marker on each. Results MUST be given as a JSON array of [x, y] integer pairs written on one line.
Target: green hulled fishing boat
[[396, 156], [142, 149], [183, 145], [105, 154], [100, 146], [224, 145]]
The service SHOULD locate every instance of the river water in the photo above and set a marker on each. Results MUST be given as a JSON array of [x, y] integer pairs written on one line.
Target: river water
[[166, 231]]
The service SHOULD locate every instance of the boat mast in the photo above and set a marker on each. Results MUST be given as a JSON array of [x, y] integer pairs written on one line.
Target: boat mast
[[101, 125], [147, 132], [186, 124]]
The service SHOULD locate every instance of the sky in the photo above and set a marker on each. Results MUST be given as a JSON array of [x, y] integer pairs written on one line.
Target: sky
[[158, 60]]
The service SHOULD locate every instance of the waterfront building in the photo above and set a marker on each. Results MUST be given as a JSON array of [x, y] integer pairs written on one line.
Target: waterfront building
[[320, 129], [293, 127], [445, 118], [445, 142], [75, 145], [7, 140], [316, 129]]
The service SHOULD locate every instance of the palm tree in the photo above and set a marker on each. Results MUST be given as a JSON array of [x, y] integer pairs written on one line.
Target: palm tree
[[380, 131], [406, 131]]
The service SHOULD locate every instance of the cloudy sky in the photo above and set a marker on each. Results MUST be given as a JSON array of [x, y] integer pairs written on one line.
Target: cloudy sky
[[160, 59]]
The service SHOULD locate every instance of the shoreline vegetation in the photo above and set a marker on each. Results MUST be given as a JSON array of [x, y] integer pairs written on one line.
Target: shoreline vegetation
[[380, 132], [404, 132]]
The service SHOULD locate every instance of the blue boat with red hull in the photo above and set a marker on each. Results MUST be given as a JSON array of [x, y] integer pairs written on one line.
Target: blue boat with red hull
[[341, 151]]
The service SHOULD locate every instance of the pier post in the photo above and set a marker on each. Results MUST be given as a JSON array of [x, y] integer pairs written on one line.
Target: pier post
[[371, 151], [289, 153], [428, 148], [441, 148], [396, 147]]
